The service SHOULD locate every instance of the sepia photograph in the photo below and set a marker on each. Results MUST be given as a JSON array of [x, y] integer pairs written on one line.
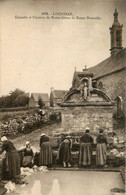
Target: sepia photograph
[[62, 97]]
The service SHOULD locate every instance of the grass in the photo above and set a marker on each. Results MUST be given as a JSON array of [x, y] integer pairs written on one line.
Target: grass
[[15, 114]]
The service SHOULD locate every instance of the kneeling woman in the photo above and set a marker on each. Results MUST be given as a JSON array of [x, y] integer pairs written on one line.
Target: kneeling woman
[[64, 153], [28, 155], [45, 157], [101, 149], [12, 160], [85, 149]]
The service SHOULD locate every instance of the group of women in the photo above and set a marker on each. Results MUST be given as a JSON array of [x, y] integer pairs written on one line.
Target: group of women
[[12, 161], [85, 153], [64, 151]]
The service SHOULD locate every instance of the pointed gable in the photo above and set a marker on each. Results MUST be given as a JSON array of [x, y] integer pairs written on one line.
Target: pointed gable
[[43, 96]]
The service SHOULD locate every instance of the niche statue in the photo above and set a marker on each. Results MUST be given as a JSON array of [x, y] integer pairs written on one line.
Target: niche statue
[[84, 90]]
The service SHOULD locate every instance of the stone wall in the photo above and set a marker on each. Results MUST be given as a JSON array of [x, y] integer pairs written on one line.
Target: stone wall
[[114, 85], [78, 118]]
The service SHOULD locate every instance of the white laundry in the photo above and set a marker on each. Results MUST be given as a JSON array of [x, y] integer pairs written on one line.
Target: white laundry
[[114, 151], [42, 168], [10, 187]]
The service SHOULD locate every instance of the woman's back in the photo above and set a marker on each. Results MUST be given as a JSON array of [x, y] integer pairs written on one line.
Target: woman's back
[[8, 146]]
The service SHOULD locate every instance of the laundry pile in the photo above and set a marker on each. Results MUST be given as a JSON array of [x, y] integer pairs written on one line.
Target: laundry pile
[[115, 152], [41, 168], [116, 157], [26, 171], [10, 187]]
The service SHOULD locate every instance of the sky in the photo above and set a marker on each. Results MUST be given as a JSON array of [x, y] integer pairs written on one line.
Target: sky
[[38, 54]]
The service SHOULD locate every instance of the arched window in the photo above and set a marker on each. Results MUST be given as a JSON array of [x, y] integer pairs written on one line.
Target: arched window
[[117, 38], [94, 84], [118, 100], [100, 85], [112, 40]]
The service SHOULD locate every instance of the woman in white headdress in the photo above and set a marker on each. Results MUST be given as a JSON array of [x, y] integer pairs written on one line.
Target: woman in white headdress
[[12, 161], [28, 155], [45, 157]]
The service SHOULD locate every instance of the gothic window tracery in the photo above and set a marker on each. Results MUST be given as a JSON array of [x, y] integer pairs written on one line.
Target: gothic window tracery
[[100, 85], [94, 84], [118, 100]]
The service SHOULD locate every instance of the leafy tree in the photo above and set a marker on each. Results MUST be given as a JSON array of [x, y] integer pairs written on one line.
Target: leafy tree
[[21, 100], [15, 98], [2, 101]]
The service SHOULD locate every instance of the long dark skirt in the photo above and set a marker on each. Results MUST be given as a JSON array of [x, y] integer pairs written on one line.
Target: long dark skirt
[[12, 163], [64, 154], [85, 154], [101, 154], [45, 157], [27, 161]]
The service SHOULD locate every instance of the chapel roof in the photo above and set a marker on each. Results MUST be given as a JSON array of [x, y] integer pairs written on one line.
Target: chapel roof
[[43, 96], [59, 94], [113, 63]]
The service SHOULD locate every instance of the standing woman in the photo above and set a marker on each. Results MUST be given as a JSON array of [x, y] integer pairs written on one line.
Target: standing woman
[[101, 149], [45, 157], [85, 149], [64, 153], [12, 161]]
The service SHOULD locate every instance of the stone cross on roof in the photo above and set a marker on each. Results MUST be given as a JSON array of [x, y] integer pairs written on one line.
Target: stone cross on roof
[[85, 68], [115, 16]]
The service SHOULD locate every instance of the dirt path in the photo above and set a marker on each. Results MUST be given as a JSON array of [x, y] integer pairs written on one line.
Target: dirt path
[[34, 136]]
